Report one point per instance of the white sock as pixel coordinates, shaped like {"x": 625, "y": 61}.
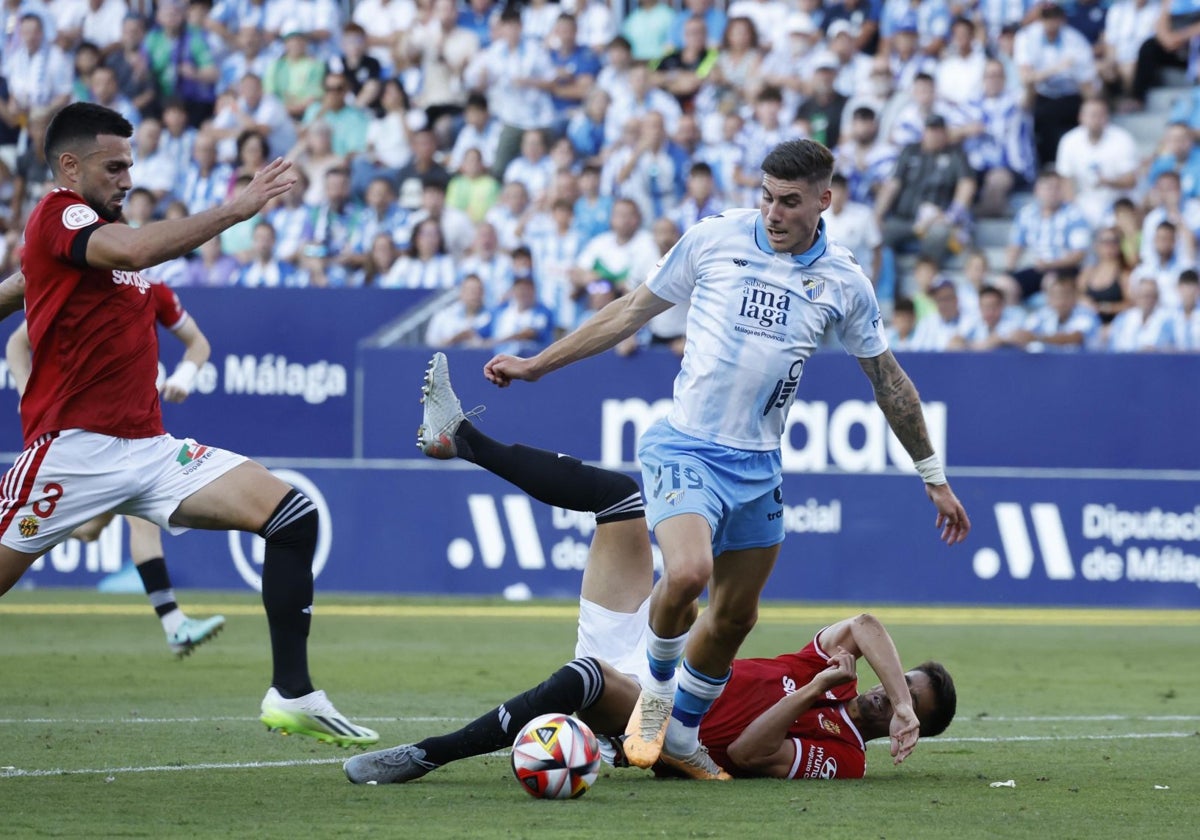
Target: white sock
{"x": 663, "y": 655}
{"x": 173, "y": 620}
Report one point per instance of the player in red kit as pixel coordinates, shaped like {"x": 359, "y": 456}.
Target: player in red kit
{"x": 796, "y": 716}
{"x": 184, "y": 633}
{"x": 94, "y": 439}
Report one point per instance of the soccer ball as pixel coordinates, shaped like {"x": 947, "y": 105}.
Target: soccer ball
{"x": 556, "y": 757}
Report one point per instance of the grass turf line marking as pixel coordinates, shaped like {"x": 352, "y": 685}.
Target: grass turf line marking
{"x": 18, "y": 773}
{"x": 1023, "y": 616}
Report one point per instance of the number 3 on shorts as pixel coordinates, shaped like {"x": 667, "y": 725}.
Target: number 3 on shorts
{"x": 44, "y": 507}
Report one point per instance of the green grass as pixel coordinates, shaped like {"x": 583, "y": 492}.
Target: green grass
{"x": 113, "y": 699}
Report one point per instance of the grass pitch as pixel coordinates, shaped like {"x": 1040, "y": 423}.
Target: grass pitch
{"x": 1093, "y": 715}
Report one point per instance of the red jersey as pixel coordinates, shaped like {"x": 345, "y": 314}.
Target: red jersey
{"x": 95, "y": 346}
{"x": 168, "y": 308}
{"x": 828, "y": 745}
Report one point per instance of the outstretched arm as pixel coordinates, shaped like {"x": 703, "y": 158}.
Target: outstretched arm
{"x": 619, "y": 320}
{"x": 12, "y": 294}
{"x": 764, "y": 747}
{"x": 195, "y": 354}
{"x": 864, "y": 635}
{"x": 897, "y": 398}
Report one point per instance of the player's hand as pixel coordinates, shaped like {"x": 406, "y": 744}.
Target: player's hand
{"x": 904, "y": 732}
{"x": 843, "y": 667}
{"x": 173, "y": 393}
{"x": 273, "y": 180}
{"x": 502, "y": 370}
{"x": 952, "y": 518}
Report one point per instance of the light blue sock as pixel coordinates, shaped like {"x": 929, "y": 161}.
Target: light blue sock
{"x": 694, "y": 695}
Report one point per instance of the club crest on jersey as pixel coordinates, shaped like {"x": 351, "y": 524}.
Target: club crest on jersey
{"x": 78, "y": 216}
{"x": 28, "y": 526}
{"x": 812, "y": 287}
{"x": 829, "y": 726}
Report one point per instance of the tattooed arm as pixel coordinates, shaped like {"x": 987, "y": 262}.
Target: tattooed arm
{"x": 897, "y": 398}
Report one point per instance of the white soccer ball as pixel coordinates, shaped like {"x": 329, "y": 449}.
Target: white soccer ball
{"x": 556, "y": 757}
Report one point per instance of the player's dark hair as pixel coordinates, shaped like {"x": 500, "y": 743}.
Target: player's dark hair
{"x": 942, "y": 685}
{"x": 799, "y": 160}
{"x": 78, "y": 123}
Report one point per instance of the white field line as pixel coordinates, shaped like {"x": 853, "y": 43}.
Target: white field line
{"x": 18, "y": 773}
{"x": 442, "y": 719}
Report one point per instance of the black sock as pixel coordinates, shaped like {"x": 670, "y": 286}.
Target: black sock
{"x": 572, "y": 688}
{"x": 157, "y": 583}
{"x": 287, "y": 590}
{"x": 551, "y": 478}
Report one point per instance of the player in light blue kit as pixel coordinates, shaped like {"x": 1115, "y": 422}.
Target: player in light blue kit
{"x": 764, "y": 287}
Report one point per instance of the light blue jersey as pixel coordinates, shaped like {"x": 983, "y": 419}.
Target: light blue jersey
{"x": 756, "y": 317}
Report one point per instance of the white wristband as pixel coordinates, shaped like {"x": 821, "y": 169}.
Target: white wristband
{"x": 184, "y": 376}
{"x": 931, "y": 470}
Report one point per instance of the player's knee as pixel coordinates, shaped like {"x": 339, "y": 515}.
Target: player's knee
{"x": 294, "y": 522}
{"x": 618, "y": 497}
{"x": 685, "y": 581}
{"x": 734, "y": 623}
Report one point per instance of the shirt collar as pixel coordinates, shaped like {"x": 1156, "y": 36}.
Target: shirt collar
{"x": 805, "y": 259}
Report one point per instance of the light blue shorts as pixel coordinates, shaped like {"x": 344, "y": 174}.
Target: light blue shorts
{"x": 739, "y": 492}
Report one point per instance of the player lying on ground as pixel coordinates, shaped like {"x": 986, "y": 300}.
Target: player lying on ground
{"x": 184, "y": 633}
{"x": 91, "y": 418}
{"x": 797, "y": 715}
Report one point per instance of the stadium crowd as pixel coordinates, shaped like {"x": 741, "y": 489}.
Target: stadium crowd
{"x": 540, "y": 157}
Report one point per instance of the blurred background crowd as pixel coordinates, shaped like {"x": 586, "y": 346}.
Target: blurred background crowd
{"x": 1009, "y": 173}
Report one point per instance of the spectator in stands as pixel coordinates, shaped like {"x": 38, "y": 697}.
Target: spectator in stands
{"x": 700, "y": 198}
{"x": 379, "y": 215}
{"x": 489, "y": 263}
{"x": 1063, "y": 323}
{"x": 937, "y": 330}
{"x": 614, "y": 70}
{"x": 38, "y": 73}
{"x": 521, "y": 325}
{"x": 959, "y": 74}
{"x": 1175, "y": 34}
{"x": 237, "y": 241}
{"x": 685, "y": 69}
{"x": 335, "y": 108}
{"x": 905, "y": 59}
{"x": 761, "y": 133}
{"x": 644, "y": 171}
{"x": 132, "y": 64}
{"x": 265, "y": 269}
{"x": 1180, "y": 154}
{"x": 1058, "y": 69}
{"x": 537, "y": 20}
{"x": 575, "y": 69}
{"x": 295, "y": 77}
{"x": 139, "y": 208}
{"x": 1104, "y": 282}
{"x": 786, "y": 66}
{"x": 319, "y": 20}
{"x": 993, "y": 328}
{"x": 820, "y": 116}
{"x": 182, "y": 62}
{"x": 383, "y": 21}
{"x": 903, "y": 326}
{"x": 380, "y": 257}
{"x": 479, "y": 131}
{"x": 998, "y": 141}
{"x": 473, "y": 189}
{"x": 931, "y": 18}
{"x": 927, "y": 199}
{"x": 517, "y": 75}
{"x": 291, "y": 217}
{"x": 714, "y": 20}
{"x": 456, "y": 227}
{"x": 95, "y": 21}
{"x": 1185, "y": 319}
{"x": 737, "y": 72}
{"x": 554, "y": 246}
{"x": 85, "y": 59}
{"x": 229, "y": 18}
{"x": 1165, "y": 203}
{"x": 156, "y": 169}
{"x": 586, "y": 129}
{"x": 362, "y": 71}
{"x": 908, "y": 124}
{"x": 314, "y": 156}
{"x": 862, "y": 158}
{"x": 853, "y": 225}
{"x": 389, "y": 139}
{"x": 206, "y": 180}
{"x": 210, "y": 266}
{"x": 1099, "y": 159}
{"x": 510, "y": 214}
{"x": 426, "y": 265}
{"x": 641, "y": 98}
{"x": 854, "y": 68}
{"x": 876, "y": 96}
{"x": 328, "y": 255}
{"x": 443, "y": 49}
{"x": 1050, "y": 233}
{"x": 647, "y": 28}
{"x": 592, "y": 209}
{"x": 1163, "y": 263}
{"x": 459, "y": 324}
{"x": 254, "y": 110}
{"x": 612, "y": 255}
{"x": 533, "y": 167}
{"x": 104, "y": 91}
{"x": 32, "y": 175}
{"x": 478, "y": 16}
{"x": 1143, "y": 327}
{"x": 423, "y": 164}
{"x": 1127, "y": 219}
{"x": 1127, "y": 27}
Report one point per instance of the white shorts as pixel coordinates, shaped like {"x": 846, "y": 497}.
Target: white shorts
{"x": 66, "y": 478}
{"x": 614, "y": 637}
